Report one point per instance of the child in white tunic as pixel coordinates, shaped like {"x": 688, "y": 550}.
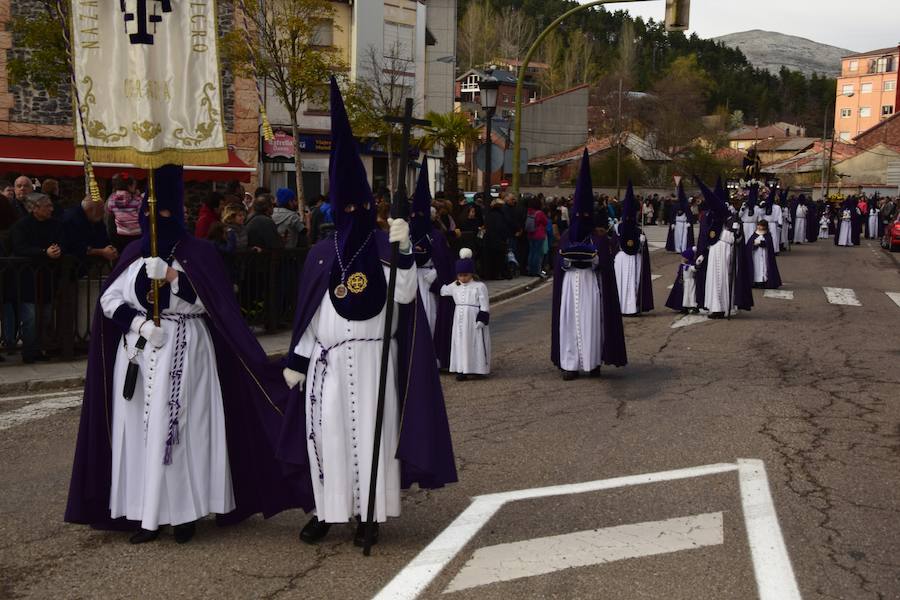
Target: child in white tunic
{"x": 823, "y": 227}
{"x": 470, "y": 350}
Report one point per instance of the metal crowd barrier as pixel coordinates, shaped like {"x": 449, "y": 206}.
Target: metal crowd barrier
{"x": 63, "y": 294}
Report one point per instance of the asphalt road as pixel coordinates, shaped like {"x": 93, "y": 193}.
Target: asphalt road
{"x": 807, "y": 387}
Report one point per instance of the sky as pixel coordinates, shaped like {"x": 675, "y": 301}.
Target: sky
{"x": 871, "y": 24}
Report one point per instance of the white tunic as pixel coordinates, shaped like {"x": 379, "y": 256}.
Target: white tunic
{"x": 760, "y": 260}
{"x": 823, "y": 227}
{"x": 470, "y": 347}
{"x": 776, "y": 221}
{"x": 681, "y": 233}
{"x": 749, "y": 221}
{"x": 800, "y": 224}
{"x": 718, "y": 274}
{"x": 580, "y": 321}
{"x": 845, "y": 230}
{"x": 426, "y": 276}
{"x": 341, "y": 400}
{"x": 198, "y": 480}
{"x": 873, "y": 224}
{"x": 689, "y": 287}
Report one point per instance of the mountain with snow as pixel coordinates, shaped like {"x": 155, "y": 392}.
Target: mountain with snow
{"x": 771, "y": 50}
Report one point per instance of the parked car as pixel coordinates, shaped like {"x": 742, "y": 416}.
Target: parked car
{"x": 891, "y": 239}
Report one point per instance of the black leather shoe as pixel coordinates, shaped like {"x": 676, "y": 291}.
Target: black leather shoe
{"x": 461, "y": 377}
{"x": 314, "y": 531}
{"x": 143, "y": 536}
{"x": 360, "y": 538}
{"x": 569, "y": 375}
{"x": 184, "y": 532}
{"x": 595, "y": 372}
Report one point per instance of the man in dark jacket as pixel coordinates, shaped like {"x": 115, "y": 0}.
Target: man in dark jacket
{"x": 496, "y": 241}
{"x": 84, "y": 232}
{"x": 261, "y": 229}
{"x": 38, "y": 236}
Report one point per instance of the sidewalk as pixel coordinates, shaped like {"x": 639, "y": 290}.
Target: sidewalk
{"x": 17, "y": 378}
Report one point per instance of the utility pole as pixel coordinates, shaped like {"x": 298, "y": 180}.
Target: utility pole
{"x": 619, "y": 144}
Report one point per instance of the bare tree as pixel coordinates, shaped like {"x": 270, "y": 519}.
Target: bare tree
{"x": 477, "y": 35}
{"x": 386, "y": 80}
{"x": 515, "y": 31}
{"x": 286, "y": 48}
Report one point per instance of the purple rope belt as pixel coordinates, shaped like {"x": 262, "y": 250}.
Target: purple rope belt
{"x": 315, "y": 399}
{"x": 174, "y": 404}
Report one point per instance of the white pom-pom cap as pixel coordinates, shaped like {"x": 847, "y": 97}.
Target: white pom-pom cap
{"x": 465, "y": 253}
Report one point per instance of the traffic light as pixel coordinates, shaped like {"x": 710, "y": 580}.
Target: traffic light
{"x": 677, "y": 14}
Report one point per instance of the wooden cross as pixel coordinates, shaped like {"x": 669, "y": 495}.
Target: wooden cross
{"x": 407, "y": 121}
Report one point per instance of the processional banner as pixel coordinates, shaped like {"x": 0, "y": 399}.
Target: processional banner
{"x": 148, "y": 85}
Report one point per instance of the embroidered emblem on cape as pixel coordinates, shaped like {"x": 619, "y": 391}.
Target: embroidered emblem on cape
{"x": 357, "y": 282}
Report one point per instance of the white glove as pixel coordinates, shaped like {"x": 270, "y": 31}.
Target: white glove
{"x": 643, "y": 239}
{"x": 430, "y": 276}
{"x": 699, "y": 260}
{"x": 293, "y": 378}
{"x": 156, "y": 267}
{"x": 479, "y": 325}
{"x": 399, "y": 232}
{"x": 757, "y": 242}
{"x": 153, "y": 334}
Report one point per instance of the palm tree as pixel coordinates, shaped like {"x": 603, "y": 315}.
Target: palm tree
{"x": 450, "y": 131}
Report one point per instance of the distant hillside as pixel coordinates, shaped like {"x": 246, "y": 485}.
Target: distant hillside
{"x": 770, "y": 50}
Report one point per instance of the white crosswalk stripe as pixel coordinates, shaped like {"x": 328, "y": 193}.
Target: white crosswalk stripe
{"x": 654, "y": 277}
{"x": 895, "y": 296}
{"x": 841, "y": 296}
{"x": 38, "y": 410}
{"x": 780, "y": 294}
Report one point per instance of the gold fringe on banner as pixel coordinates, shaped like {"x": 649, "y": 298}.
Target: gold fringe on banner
{"x": 154, "y": 160}
{"x": 268, "y": 134}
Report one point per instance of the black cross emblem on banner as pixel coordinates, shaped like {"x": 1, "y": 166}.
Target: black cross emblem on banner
{"x": 143, "y": 20}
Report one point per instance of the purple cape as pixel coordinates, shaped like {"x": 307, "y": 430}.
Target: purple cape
{"x": 670, "y": 237}
{"x": 443, "y": 322}
{"x": 425, "y": 450}
{"x": 646, "y": 291}
{"x": 675, "y": 301}
{"x": 812, "y": 222}
{"x": 254, "y": 397}
{"x": 613, "y": 352}
{"x": 773, "y": 277}
{"x": 879, "y": 227}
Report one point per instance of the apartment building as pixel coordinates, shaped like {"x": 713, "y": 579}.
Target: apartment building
{"x": 412, "y": 43}
{"x": 867, "y": 91}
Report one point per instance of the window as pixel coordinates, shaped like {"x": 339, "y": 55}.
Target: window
{"x": 847, "y": 89}
{"x": 399, "y": 41}
{"x": 887, "y": 110}
{"x": 865, "y": 88}
{"x": 865, "y": 111}
{"x": 324, "y": 33}
{"x": 890, "y": 86}
{"x": 853, "y": 65}
{"x": 845, "y": 136}
{"x": 846, "y": 113}
{"x": 885, "y": 64}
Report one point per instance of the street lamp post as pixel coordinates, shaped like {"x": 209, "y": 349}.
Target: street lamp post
{"x": 677, "y": 12}
{"x": 488, "y": 91}
{"x": 826, "y": 170}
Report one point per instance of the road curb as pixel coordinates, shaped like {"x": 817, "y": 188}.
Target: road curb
{"x": 77, "y": 382}
{"x": 519, "y": 289}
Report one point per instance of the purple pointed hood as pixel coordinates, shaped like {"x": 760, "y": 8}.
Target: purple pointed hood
{"x": 582, "y": 217}
{"x": 420, "y": 219}
{"x": 629, "y": 208}
{"x": 683, "y": 203}
{"x": 168, "y": 183}
{"x": 349, "y": 183}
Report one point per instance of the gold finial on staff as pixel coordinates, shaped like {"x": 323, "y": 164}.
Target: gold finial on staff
{"x": 268, "y": 134}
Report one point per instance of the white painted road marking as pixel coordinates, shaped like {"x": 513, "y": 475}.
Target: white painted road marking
{"x": 654, "y": 276}
{"x": 669, "y": 287}
{"x": 771, "y": 563}
{"x": 689, "y": 320}
{"x": 895, "y": 296}
{"x": 759, "y": 515}
{"x": 844, "y": 296}
{"x": 505, "y": 562}
{"x": 38, "y": 410}
{"x": 781, "y": 294}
